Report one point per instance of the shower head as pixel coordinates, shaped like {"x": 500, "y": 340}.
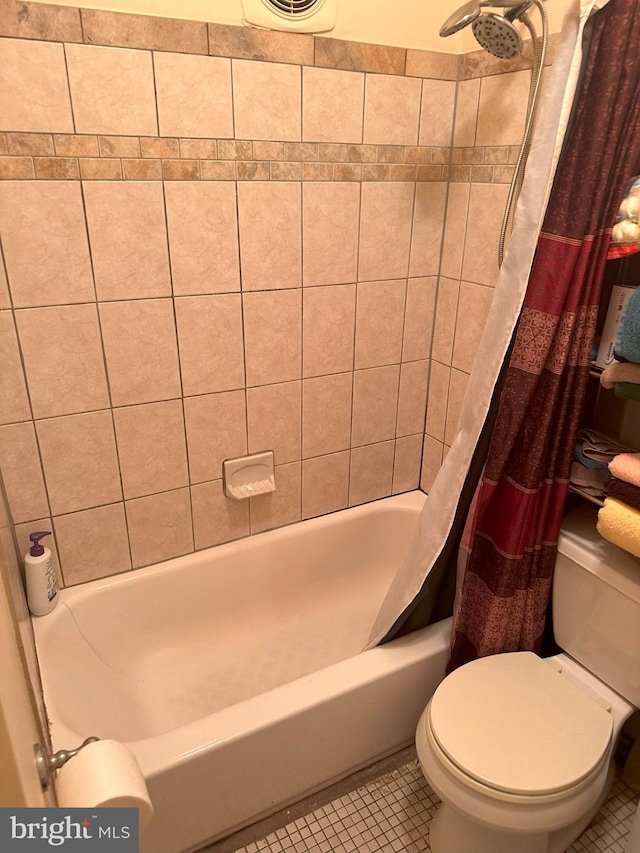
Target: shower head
{"x": 496, "y": 33}
{"x": 460, "y": 19}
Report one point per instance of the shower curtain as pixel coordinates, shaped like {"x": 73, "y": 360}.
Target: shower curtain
{"x": 416, "y": 580}
{"x": 509, "y": 544}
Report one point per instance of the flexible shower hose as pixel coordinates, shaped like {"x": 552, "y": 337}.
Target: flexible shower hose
{"x": 539, "y": 55}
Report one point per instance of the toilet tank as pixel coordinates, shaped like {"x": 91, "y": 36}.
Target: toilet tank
{"x": 596, "y": 604}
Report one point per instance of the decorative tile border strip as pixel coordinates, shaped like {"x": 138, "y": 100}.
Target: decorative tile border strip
{"x": 47, "y": 22}
{"x": 492, "y": 164}
{"x": 46, "y": 156}
{"x": 479, "y": 63}
{"x": 119, "y": 29}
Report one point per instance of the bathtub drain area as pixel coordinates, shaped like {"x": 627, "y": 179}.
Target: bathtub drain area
{"x": 391, "y": 814}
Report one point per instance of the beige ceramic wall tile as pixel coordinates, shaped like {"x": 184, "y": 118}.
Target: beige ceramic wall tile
{"x": 160, "y": 527}
{"x": 210, "y": 342}
{"x": 431, "y": 462}
{"x": 141, "y": 350}
{"x": 457, "y": 388}
{"x": 80, "y": 461}
{"x": 112, "y": 90}
{"x": 332, "y": 105}
{"x": 391, "y": 110}
{"x": 385, "y": 230}
{"x": 274, "y": 420}
{"x": 151, "y": 447}
{"x": 418, "y": 321}
{"x": 445, "y": 323}
{"x": 428, "y": 223}
{"x": 270, "y": 243}
{"x": 486, "y": 209}
{"x": 63, "y": 359}
{"x": 328, "y": 319}
{"x": 455, "y": 230}
{"x": 325, "y": 484}
{"x": 217, "y": 519}
{"x": 412, "y": 401}
{"x": 44, "y": 238}
{"x": 503, "y": 108}
{"x": 22, "y": 472}
{"x": 436, "y": 113}
{"x": 216, "y": 427}
{"x": 375, "y": 404}
{"x": 428, "y": 63}
{"x": 406, "y": 466}
{"x": 464, "y": 133}
{"x": 256, "y": 43}
{"x": 194, "y": 95}
{"x": 331, "y": 212}
{"x": 34, "y": 96}
{"x": 128, "y": 239}
{"x": 267, "y": 100}
{"x": 371, "y": 473}
{"x": 379, "y": 322}
{"x": 145, "y": 30}
{"x": 273, "y": 336}
{"x": 326, "y": 421}
{"x": 14, "y": 402}
{"x": 203, "y": 236}
{"x": 473, "y": 309}
{"x": 437, "y": 400}
{"x": 279, "y": 507}
{"x": 93, "y": 544}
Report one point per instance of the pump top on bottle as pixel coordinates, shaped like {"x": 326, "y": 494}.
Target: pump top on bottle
{"x": 40, "y": 576}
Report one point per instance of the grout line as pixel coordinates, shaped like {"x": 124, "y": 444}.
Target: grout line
{"x": 302, "y": 345}
{"x": 82, "y": 35}
{"x": 242, "y": 293}
{"x": 353, "y": 352}
{"x": 66, "y": 69}
{"x": 165, "y": 209}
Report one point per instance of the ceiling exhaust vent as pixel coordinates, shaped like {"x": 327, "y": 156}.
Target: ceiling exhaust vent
{"x": 297, "y": 16}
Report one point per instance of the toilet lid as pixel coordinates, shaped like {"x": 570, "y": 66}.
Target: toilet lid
{"x": 515, "y": 724}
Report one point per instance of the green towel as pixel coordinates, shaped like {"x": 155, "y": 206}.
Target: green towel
{"x": 628, "y": 390}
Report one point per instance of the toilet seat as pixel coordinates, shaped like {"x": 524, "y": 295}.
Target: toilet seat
{"x": 551, "y": 736}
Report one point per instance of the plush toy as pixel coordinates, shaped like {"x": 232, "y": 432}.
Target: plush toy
{"x": 625, "y": 234}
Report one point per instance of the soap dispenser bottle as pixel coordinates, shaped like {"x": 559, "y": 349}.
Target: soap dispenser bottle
{"x": 42, "y": 584}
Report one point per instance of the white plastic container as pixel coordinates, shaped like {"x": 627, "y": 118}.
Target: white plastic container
{"x": 40, "y": 574}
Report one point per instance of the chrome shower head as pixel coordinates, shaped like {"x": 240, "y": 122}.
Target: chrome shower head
{"x": 497, "y": 35}
{"x": 460, "y": 19}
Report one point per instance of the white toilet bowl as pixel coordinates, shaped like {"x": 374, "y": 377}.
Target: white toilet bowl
{"x": 519, "y": 751}
{"x": 518, "y": 748}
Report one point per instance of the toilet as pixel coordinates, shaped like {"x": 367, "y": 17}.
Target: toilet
{"x": 520, "y": 748}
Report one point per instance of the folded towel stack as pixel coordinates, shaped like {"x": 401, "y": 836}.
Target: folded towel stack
{"x": 591, "y": 457}
{"x": 619, "y": 518}
{"x": 624, "y": 374}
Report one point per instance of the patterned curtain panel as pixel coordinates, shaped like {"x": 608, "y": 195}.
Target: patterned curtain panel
{"x": 508, "y": 550}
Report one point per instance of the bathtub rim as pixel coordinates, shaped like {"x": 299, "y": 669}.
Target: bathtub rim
{"x": 172, "y": 748}
{"x": 413, "y": 500}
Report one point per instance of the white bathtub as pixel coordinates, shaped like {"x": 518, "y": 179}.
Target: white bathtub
{"x": 236, "y": 674}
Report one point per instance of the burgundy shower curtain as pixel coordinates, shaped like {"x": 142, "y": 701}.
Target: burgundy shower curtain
{"x": 509, "y": 544}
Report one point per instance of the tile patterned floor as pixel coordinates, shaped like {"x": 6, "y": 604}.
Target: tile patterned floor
{"x": 611, "y": 825}
{"x": 391, "y": 815}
